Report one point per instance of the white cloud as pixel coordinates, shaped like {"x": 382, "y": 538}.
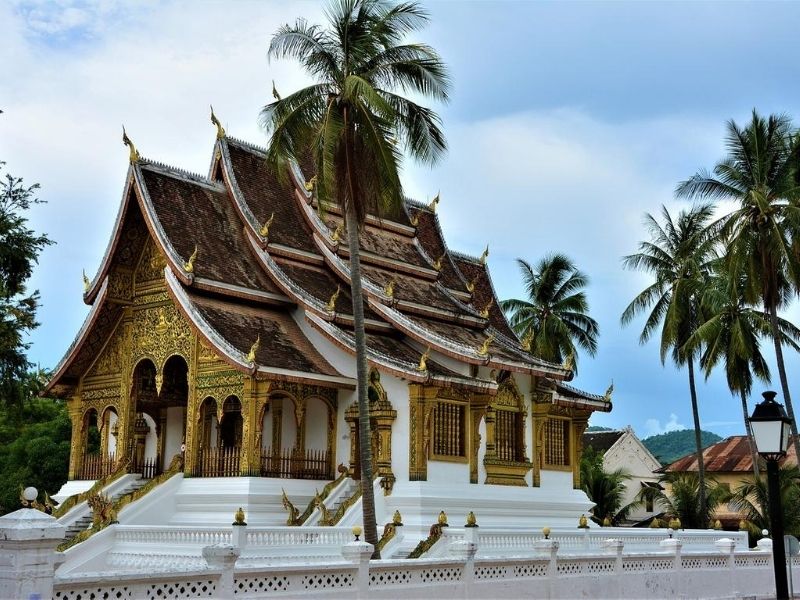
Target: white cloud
{"x": 654, "y": 427}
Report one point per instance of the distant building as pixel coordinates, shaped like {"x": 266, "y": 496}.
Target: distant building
{"x": 730, "y": 463}
{"x": 621, "y": 449}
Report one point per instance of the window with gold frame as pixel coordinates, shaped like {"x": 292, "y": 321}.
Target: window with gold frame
{"x": 510, "y": 434}
{"x": 556, "y": 442}
{"x": 449, "y": 431}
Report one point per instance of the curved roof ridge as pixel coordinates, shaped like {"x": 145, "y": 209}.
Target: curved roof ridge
{"x": 250, "y": 145}
{"x": 171, "y": 170}
{"x": 467, "y": 257}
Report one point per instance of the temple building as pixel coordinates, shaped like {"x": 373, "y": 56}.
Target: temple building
{"x": 220, "y": 336}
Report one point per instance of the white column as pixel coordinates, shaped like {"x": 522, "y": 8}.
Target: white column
{"x": 465, "y": 550}
{"x": 727, "y": 546}
{"x": 673, "y": 546}
{"x": 359, "y": 553}
{"x": 222, "y": 557}
{"x": 28, "y": 539}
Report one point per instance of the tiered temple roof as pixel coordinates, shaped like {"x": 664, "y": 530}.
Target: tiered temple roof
{"x": 243, "y": 247}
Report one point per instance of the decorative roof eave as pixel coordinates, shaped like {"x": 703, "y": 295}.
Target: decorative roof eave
{"x": 377, "y": 260}
{"x": 80, "y": 338}
{"x": 174, "y": 260}
{"x": 374, "y": 221}
{"x": 239, "y": 204}
{"x": 237, "y": 291}
{"x": 593, "y": 405}
{"x": 447, "y": 253}
{"x": 232, "y": 355}
{"x": 92, "y": 291}
{"x": 396, "y": 367}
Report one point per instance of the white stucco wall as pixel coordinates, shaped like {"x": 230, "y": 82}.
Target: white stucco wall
{"x": 629, "y": 453}
{"x": 316, "y": 424}
{"x": 288, "y": 425}
{"x": 112, "y": 439}
{"x": 151, "y": 441}
{"x": 176, "y": 416}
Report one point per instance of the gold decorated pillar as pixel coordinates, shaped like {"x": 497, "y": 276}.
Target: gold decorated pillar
{"x": 491, "y": 433}
{"x": 351, "y": 418}
{"x": 421, "y": 402}
{"x": 126, "y": 415}
{"x": 250, "y": 462}
{"x": 191, "y": 442}
{"x": 383, "y": 415}
{"x": 579, "y": 424}
{"x": 77, "y": 440}
{"x": 539, "y": 412}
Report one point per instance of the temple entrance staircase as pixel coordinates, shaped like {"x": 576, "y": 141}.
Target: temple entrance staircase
{"x": 80, "y": 518}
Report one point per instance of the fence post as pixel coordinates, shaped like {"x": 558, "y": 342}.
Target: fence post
{"x": 28, "y": 539}
{"x": 728, "y": 546}
{"x": 222, "y": 557}
{"x": 549, "y": 548}
{"x": 673, "y": 546}
{"x": 615, "y": 547}
{"x": 465, "y": 550}
{"x": 359, "y": 554}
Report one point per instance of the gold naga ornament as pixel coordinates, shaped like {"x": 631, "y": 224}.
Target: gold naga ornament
{"x": 437, "y": 264}
{"x": 134, "y": 153}
{"x": 188, "y": 266}
{"x": 434, "y": 203}
{"x": 484, "y": 313}
{"x": 471, "y": 285}
{"x": 336, "y": 236}
{"x": 86, "y": 283}
{"x": 609, "y": 392}
{"x": 485, "y": 255}
{"x": 264, "y": 231}
{"x": 217, "y": 124}
{"x": 334, "y": 297}
{"x": 309, "y": 185}
{"x": 484, "y": 349}
{"x": 251, "y": 356}
{"x": 569, "y": 362}
{"x": 527, "y": 341}
{"x": 423, "y": 360}
{"x": 389, "y": 289}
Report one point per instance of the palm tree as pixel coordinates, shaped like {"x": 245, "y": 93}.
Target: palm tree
{"x": 686, "y": 498}
{"x": 554, "y": 318}
{"x": 605, "y": 489}
{"x": 731, "y": 335}
{"x": 678, "y": 256}
{"x": 356, "y": 125}
{"x": 751, "y": 498}
{"x": 760, "y": 174}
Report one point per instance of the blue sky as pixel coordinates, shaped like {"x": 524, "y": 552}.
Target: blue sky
{"x": 568, "y": 121}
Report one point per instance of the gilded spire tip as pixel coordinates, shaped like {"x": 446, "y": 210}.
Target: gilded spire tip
{"x": 215, "y": 121}
{"x": 86, "y": 283}
{"x": 134, "y": 153}
{"x": 188, "y": 266}
{"x": 434, "y": 203}
{"x": 264, "y": 231}
{"x": 485, "y": 255}
{"x": 484, "y": 349}
{"x": 251, "y": 356}
{"x": 423, "y": 360}
{"x": 334, "y": 297}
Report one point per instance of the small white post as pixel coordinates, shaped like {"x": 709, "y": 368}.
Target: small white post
{"x": 239, "y": 536}
{"x": 727, "y": 546}
{"x": 549, "y": 548}
{"x": 615, "y": 547}
{"x": 222, "y": 557}
{"x": 359, "y": 553}
{"x": 673, "y": 546}
{"x": 465, "y": 550}
{"x": 28, "y": 539}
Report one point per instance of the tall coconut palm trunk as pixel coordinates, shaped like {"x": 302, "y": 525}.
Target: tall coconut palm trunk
{"x": 701, "y": 467}
{"x": 364, "y": 429}
{"x": 776, "y": 338}
{"x": 750, "y": 440}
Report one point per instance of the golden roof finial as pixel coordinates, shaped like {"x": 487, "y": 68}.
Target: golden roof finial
{"x": 264, "y": 231}
{"x": 485, "y": 312}
{"x": 471, "y": 285}
{"x": 415, "y": 219}
{"x": 188, "y": 266}
{"x": 275, "y": 93}
{"x": 134, "y": 155}
{"x": 484, "y": 349}
{"x": 251, "y": 356}
{"x": 337, "y": 233}
{"x": 569, "y": 362}
{"x": 527, "y": 341}
{"x": 86, "y": 283}
{"x": 309, "y": 185}
{"x": 220, "y": 128}
{"x": 423, "y": 360}
{"x": 434, "y": 203}
{"x": 389, "y": 289}
{"x": 485, "y": 255}
{"x": 609, "y": 391}
{"x": 334, "y": 297}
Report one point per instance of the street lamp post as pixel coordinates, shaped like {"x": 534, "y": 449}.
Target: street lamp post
{"x": 770, "y": 427}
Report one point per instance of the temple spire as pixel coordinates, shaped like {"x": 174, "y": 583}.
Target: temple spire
{"x": 215, "y": 121}
{"x": 134, "y": 153}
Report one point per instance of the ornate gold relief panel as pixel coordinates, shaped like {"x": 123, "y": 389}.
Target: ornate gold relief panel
{"x": 151, "y": 265}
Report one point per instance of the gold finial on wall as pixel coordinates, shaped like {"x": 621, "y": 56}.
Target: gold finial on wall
{"x": 389, "y": 289}
{"x": 334, "y": 297}
{"x": 337, "y": 233}
{"x": 309, "y": 185}
{"x": 472, "y": 521}
{"x": 569, "y": 362}
{"x": 134, "y": 153}
{"x": 484, "y": 349}
{"x": 188, "y": 266}
{"x": 485, "y": 255}
{"x": 414, "y": 220}
{"x": 397, "y": 519}
{"x": 434, "y": 203}
{"x": 440, "y": 261}
{"x": 423, "y": 360}
{"x": 275, "y": 93}
{"x": 264, "y": 231}
{"x": 442, "y": 519}
{"x": 485, "y": 312}
{"x": 238, "y": 518}
{"x": 86, "y": 283}
{"x": 471, "y": 285}
{"x": 220, "y": 128}
{"x": 251, "y": 356}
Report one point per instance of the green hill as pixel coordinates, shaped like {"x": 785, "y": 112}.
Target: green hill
{"x": 593, "y": 428}
{"x": 668, "y": 447}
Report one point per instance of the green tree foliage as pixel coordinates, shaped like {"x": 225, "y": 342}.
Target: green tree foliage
{"x": 555, "y": 315}
{"x": 34, "y": 449}
{"x": 678, "y": 255}
{"x": 356, "y": 124}
{"x": 605, "y": 489}
{"x": 682, "y": 498}
{"x": 669, "y": 447}
{"x": 761, "y": 175}
{"x": 19, "y": 251}
{"x": 751, "y": 499}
